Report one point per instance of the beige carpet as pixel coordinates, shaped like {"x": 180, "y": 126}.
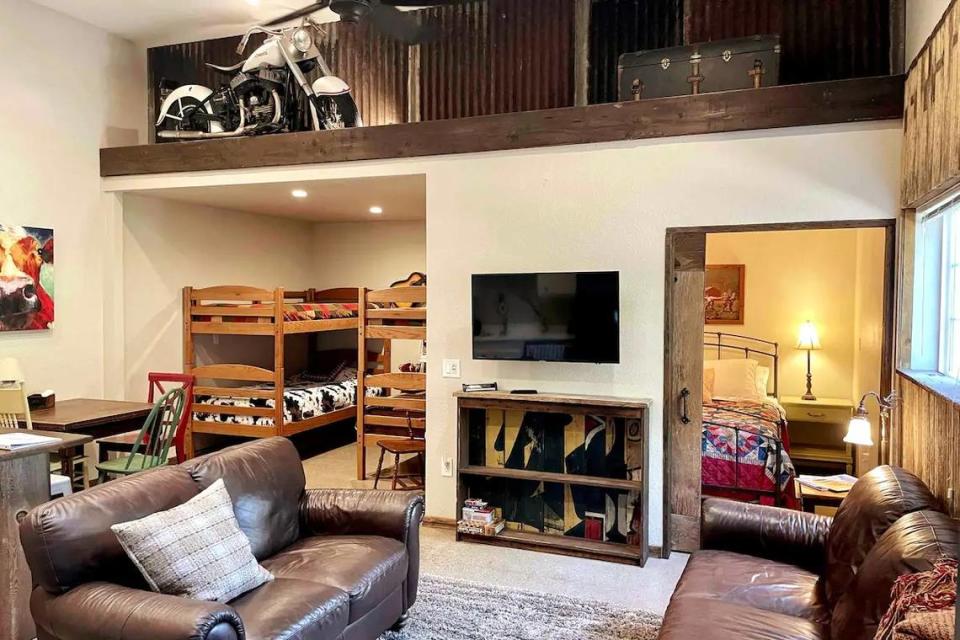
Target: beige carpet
{"x": 448, "y": 609}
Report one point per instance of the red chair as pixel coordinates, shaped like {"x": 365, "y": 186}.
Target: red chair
{"x": 159, "y": 383}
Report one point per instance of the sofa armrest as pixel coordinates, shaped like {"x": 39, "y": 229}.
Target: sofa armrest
{"x": 105, "y": 610}
{"x": 783, "y": 535}
{"x": 391, "y": 514}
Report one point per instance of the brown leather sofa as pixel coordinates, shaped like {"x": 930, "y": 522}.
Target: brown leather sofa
{"x": 770, "y": 573}
{"x": 345, "y": 562}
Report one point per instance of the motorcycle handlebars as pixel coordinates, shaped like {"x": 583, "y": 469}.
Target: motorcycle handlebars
{"x": 252, "y": 30}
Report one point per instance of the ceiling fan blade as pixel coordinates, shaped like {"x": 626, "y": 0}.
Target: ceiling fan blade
{"x": 403, "y": 25}
{"x": 299, "y": 13}
{"x": 418, "y": 3}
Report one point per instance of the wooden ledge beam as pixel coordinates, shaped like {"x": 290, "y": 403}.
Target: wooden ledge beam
{"x": 878, "y": 98}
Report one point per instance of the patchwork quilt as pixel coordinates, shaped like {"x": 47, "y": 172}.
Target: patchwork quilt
{"x": 741, "y": 443}
{"x": 303, "y": 398}
{"x": 291, "y": 312}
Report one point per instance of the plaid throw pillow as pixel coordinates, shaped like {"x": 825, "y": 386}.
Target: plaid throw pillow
{"x": 195, "y": 550}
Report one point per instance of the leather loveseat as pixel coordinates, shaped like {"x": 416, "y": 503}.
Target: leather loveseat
{"x": 345, "y": 562}
{"x": 768, "y": 573}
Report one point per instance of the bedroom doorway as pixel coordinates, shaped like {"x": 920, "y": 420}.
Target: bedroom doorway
{"x": 745, "y": 299}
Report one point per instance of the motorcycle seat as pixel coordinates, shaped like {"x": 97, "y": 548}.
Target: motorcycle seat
{"x": 221, "y": 69}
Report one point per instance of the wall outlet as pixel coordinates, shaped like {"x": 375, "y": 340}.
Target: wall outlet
{"x": 451, "y": 368}
{"x": 446, "y": 467}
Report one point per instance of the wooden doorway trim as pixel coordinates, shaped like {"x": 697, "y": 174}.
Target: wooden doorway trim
{"x": 685, "y": 258}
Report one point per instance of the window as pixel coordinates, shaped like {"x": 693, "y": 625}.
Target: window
{"x": 936, "y": 306}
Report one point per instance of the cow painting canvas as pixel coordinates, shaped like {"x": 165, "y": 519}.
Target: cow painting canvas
{"x": 26, "y": 278}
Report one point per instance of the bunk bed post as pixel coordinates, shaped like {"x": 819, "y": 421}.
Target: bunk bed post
{"x": 188, "y": 363}
{"x": 278, "y": 368}
{"x": 361, "y": 386}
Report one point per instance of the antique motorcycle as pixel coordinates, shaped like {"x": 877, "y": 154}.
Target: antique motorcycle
{"x": 267, "y": 92}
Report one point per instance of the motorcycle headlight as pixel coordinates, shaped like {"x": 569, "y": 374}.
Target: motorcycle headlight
{"x": 302, "y": 40}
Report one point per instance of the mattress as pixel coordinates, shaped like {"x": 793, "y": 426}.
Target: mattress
{"x": 745, "y": 450}
{"x": 291, "y": 312}
{"x": 302, "y": 399}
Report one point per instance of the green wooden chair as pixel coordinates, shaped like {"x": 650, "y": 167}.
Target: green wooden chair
{"x": 152, "y": 445}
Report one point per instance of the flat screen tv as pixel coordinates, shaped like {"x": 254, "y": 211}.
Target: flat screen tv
{"x": 556, "y": 317}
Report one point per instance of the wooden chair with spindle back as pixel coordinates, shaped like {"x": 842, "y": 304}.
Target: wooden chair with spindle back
{"x": 159, "y": 384}
{"x": 152, "y": 444}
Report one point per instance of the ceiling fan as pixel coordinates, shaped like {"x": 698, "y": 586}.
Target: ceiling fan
{"x": 384, "y": 14}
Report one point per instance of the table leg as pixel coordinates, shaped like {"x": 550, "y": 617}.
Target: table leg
{"x": 66, "y": 463}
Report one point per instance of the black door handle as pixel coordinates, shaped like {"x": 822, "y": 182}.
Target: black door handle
{"x": 684, "y": 418}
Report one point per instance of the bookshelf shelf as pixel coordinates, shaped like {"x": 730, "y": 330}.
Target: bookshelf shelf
{"x": 542, "y": 413}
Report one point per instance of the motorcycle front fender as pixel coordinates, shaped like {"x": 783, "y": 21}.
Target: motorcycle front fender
{"x": 195, "y": 91}
{"x": 330, "y": 86}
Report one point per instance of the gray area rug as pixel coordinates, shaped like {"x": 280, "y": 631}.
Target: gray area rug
{"x": 449, "y": 609}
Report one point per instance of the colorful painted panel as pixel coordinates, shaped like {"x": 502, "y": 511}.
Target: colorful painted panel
{"x": 559, "y": 443}
{"x": 26, "y": 278}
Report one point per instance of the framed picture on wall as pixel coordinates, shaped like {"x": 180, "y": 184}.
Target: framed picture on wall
{"x": 723, "y": 293}
{"x": 26, "y": 278}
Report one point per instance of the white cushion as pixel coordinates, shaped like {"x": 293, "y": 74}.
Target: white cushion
{"x": 763, "y": 378}
{"x": 735, "y": 378}
{"x": 195, "y": 550}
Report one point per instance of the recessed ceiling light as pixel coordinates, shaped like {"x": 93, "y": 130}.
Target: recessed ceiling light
{"x": 376, "y": 210}
{"x": 253, "y": 3}
{"x": 298, "y": 193}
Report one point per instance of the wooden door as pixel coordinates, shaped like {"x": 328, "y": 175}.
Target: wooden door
{"x": 683, "y": 389}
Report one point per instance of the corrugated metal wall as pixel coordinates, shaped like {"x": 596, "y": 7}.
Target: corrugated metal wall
{"x": 374, "y": 65}
{"x": 496, "y": 56}
{"x": 821, "y": 39}
{"x": 622, "y": 26}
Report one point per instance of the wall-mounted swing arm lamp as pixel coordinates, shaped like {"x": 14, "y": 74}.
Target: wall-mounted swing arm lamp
{"x": 858, "y": 430}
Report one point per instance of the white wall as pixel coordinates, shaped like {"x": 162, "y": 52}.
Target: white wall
{"x": 64, "y": 99}
{"x": 367, "y": 254}
{"x": 603, "y": 206}
{"x": 169, "y": 245}
{"x": 922, "y": 16}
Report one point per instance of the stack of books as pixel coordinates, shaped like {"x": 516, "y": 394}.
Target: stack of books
{"x": 480, "y": 519}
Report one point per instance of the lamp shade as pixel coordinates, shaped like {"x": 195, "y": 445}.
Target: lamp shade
{"x": 858, "y": 431}
{"x": 808, "y": 339}
{"x": 10, "y": 370}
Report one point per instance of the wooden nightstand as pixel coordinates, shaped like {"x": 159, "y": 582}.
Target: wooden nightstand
{"x": 816, "y": 431}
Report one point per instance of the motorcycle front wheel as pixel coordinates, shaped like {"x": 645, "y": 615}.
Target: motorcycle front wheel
{"x": 337, "y": 112}
{"x": 180, "y": 116}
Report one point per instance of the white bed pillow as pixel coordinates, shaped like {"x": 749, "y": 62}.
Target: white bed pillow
{"x": 734, "y": 378}
{"x": 763, "y": 378}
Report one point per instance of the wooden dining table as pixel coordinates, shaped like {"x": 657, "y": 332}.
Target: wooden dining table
{"x": 24, "y": 484}
{"x": 90, "y": 417}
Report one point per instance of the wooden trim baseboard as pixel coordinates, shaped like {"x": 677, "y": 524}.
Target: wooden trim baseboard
{"x": 439, "y": 522}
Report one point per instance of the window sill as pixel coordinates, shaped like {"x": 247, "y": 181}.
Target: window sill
{"x": 936, "y": 383}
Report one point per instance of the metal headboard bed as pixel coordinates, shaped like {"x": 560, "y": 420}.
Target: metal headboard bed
{"x": 730, "y": 344}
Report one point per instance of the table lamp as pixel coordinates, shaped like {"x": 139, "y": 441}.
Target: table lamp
{"x": 808, "y": 341}
{"x": 858, "y": 430}
{"x": 10, "y": 372}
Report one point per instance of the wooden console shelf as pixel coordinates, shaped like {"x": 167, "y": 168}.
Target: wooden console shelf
{"x": 548, "y": 476}
{"x": 566, "y": 426}
{"x": 836, "y": 101}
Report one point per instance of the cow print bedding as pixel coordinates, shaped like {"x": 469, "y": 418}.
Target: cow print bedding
{"x": 303, "y": 399}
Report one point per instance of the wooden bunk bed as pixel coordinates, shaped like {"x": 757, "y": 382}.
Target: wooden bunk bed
{"x": 243, "y": 392}
{"x": 400, "y": 409}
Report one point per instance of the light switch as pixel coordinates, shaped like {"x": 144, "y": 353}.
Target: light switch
{"x": 451, "y": 368}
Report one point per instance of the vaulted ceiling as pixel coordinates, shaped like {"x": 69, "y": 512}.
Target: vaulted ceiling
{"x": 150, "y": 22}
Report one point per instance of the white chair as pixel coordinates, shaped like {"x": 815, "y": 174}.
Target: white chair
{"x": 13, "y": 406}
